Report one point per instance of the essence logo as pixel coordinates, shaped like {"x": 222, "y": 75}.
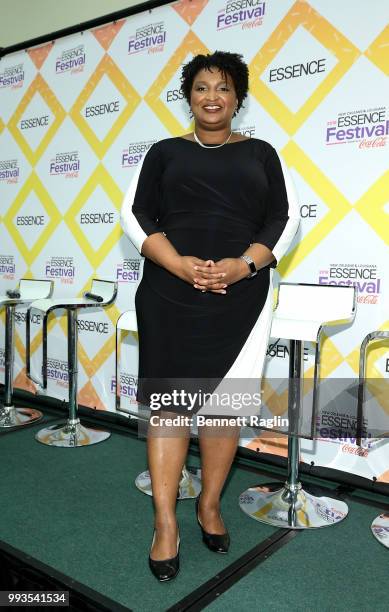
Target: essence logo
{"x": 297, "y": 70}
{"x": 20, "y": 318}
{"x": 92, "y": 326}
{"x": 105, "y": 218}
{"x": 2, "y": 359}
{"x": 7, "y": 267}
{"x": 60, "y": 267}
{"x": 132, "y": 156}
{"x": 362, "y": 276}
{"x": 65, "y": 164}
{"x": 33, "y": 122}
{"x": 246, "y": 13}
{"x": 102, "y": 109}
{"x": 128, "y": 271}
{"x": 12, "y": 77}
{"x": 9, "y": 171}
{"x": 72, "y": 60}
{"x": 31, "y": 220}
{"x": 151, "y": 37}
{"x": 281, "y": 351}
{"x": 368, "y": 128}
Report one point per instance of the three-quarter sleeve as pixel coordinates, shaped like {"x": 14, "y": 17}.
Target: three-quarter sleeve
{"x": 282, "y": 216}
{"x": 141, "y": 204}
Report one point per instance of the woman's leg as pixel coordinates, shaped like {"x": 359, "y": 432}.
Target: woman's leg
{"x": 167, "y": 447}
{"x": 218, "y": 446}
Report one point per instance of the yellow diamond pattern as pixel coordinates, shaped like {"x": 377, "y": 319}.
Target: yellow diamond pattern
{"x": 38, "y": 85}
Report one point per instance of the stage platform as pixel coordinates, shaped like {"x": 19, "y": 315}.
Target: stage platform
{"x": 72, "y": 519}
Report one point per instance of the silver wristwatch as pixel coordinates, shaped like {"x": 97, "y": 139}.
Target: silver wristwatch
{"x": 251, "y": 265}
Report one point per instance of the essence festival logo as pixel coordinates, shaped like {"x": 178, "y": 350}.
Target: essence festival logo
{"x": 366, "y": 128}
{"x": 297, "y": 70}
{"x": 7, "y": 267}
{"x": 2, "y": 360}
{"x": 65, "y": 164}
{"x": 132, "y": 155}
{"x": 96, "y": 327}
{"x": 128, "y": 386}
{"x": 151, "y": 37}
{"x": 244, "y": 13}
{"x": 71, "y": 60}
{"x": 60, "y": 268}
{"x": 128, "y": 271}
{"x": 9, "y": 170}
{"x": 362, "y": 276}
{"x": 57, "y": 371}
{"x": 12, "y": 77}
{"x": 342, "y": 429}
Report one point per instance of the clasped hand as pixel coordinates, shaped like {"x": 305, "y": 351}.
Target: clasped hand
{"x": 213, "y": 276}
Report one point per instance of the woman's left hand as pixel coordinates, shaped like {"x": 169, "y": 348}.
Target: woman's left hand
{"x": 234, "y": 269}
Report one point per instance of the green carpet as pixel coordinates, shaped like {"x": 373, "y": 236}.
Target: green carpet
{"x": 333, "y": 569}
{"x": 78, "y": 510}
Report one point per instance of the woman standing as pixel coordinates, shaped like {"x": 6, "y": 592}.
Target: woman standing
{"x": 212, "y": 213}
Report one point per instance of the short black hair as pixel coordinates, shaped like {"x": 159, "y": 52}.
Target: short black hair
{"x": 226, "y": 62}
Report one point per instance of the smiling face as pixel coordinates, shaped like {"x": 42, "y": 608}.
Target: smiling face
{"x": 213, "y": 99}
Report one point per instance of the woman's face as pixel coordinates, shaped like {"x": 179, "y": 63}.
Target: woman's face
{"x": 210, "y": 89}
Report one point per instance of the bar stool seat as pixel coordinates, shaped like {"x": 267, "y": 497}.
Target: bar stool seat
{"x": 380, "y": 525}
{"x": 190, "y": 481}
{"x": 301, "y": 313}
{"x": 27, "y": 291}
{"x": 71, "y": 433}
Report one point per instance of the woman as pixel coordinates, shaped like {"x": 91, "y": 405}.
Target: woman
{"x": 195, "y": 206}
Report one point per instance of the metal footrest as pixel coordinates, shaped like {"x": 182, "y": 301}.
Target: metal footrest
{"x": 18, "y": 417}
{"x": 189, "y": 486}
{"x": 71, "y": 433}
{"x": 291, "y": 507}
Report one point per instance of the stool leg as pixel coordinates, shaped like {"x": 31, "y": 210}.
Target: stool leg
{"x": 292, "y": 507}
{"x": 190, "y": 482}
{"x": 72, "y": 433}
{"x": 9, "y": 415}
{"x": 380, "y": 525}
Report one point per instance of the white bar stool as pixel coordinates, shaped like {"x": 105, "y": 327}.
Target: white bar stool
{"x": 27, "y": 291}
{"x": 302, "y": 312}
{"x": 380, "y": 525}
{"x": 71, "y": 433}
{"x": 190, "y": 482}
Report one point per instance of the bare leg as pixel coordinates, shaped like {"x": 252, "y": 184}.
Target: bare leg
{"x": 217, "y": 447}
{"x": 166, "y": 457}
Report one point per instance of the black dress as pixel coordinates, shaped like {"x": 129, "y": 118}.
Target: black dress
{"x": 210, "y": 203}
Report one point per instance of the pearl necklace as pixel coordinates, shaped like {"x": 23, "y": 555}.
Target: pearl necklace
{"x": 211, "y": 146}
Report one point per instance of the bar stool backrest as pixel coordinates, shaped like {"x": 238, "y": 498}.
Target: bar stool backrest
{"x": 35, "y": 289}
{"x": 128, "y": 321}
{"x": 323, "y": 303}
{"x": 106, "y": 289}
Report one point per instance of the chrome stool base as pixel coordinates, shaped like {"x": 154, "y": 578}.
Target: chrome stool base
{"x": 380, "y": 529}
{"x": 17, "y": 417}
{"x": 71, "y": 434}
{"x": 188, "y": 488}
{"x": 291, "y": 507}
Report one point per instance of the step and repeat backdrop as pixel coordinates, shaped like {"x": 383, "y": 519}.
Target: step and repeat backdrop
{"x": 76, "y": 117}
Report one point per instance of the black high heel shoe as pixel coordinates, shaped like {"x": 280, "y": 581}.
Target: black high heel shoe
{"x": 165, "y": 569}
{"x": 217, "y": 542}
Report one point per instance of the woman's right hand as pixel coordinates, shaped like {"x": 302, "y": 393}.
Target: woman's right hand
{"x": 184, "y": 269}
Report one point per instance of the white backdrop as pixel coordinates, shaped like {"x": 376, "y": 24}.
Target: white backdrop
{"x": 77, "y": 114}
